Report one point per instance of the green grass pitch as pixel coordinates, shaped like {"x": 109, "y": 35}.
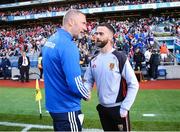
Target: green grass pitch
{"x": 18, "y": 105}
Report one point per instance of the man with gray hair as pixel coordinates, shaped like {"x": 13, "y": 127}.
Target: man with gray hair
{"x": 64, "y": 88}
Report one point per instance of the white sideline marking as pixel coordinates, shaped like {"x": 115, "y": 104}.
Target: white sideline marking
{"x": 29, "y": 126}
{"x": 26, "y": 129}
{"x": 149, "y": 115}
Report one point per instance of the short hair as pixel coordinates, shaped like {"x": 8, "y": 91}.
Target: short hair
{"x": 70, "y": 14}
{"x": 107, "y": 25}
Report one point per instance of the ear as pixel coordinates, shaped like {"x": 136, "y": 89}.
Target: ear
{"x": 110, "y": 37}
{"x": 71, "y": 21}
{"x": 111, "y": 40}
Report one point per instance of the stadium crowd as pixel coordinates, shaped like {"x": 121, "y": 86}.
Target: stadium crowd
{"x": 132, "y": 37}
{"x": 14, "y": 40}
{"x": 128, "y": 34}
{"x": 85, "y": 5}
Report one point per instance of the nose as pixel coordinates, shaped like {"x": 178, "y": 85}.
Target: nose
{"x": 85, "y": 28}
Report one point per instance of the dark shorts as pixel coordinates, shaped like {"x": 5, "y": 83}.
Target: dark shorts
{"x": 67, "y": 121}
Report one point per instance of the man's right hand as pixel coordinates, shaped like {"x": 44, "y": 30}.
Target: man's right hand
{"x": 89, "y": 97}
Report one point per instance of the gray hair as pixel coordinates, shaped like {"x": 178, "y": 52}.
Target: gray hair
{"x": 72, "y": 13}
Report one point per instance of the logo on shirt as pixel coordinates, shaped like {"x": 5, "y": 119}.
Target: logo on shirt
{"x": 94, "y": 66}
{"x": 50, "y": 44}
{"x": 111, "y": 66}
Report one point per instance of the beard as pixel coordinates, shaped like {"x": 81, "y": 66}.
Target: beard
{"x": 102, "y": 43}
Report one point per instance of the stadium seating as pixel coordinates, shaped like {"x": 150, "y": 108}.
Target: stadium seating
{"x": 178, "y": 58}
{"x": 162, "y": 73}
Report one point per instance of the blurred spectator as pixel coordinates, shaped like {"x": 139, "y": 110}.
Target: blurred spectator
{"x": 147, "y": 55}
{"x": 154, "y": 62}
{"x": 40, "y": 66}
{"x": 177, "y": 53}
{"x": 151, "y": 39}
{"x": 138, "y": 59}
{"x": 6, "y": 68}
{"x": 164, "y": 51}
{"x": 24, "y": 65}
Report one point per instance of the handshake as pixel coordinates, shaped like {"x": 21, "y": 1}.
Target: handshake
{"x": 89, "y": 97}
{"x": 89, "y": 90}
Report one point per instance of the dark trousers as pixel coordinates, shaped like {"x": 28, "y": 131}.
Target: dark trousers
{"x": 111, "y": 120}
{"x": 24, "y": 70}
{"x": 6, "y": 73}
{"x": 41, "y": 73}
{"x": 154, "y": 71}
{"x": 68, "y": 121}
